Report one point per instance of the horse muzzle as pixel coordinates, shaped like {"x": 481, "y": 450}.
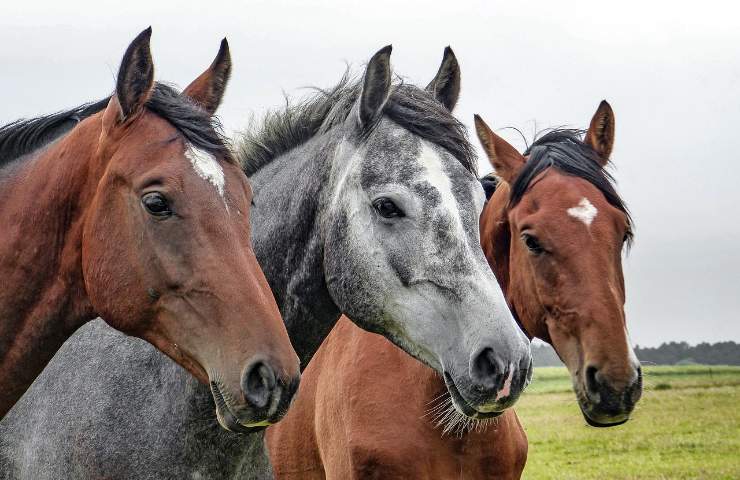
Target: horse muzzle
{"x": 604, "y": 406}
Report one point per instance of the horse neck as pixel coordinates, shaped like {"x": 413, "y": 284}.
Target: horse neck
{"x": 43, "y": 301}
{"x": 287, "y": 237}
{"x": 496, "y": 243}
{"x": 496, "y": 236}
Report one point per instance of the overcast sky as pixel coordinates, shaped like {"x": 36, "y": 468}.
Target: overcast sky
{"x": 671, "y": 71}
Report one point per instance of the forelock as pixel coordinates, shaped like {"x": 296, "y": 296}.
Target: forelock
{"x": 564, "y": 150}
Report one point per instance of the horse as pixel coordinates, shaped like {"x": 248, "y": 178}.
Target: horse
{"x": 366, "y": 202}
{"x": 140, "y": 216}
{"x": 553, "y": 231}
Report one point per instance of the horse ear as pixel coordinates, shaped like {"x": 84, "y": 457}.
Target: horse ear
{"x": 446, "y": 84}
{"x": 376, "y": 86}
{"x": 135, "y": 76}
{"x": 208, "y": 89}
{"x": 505, "y": 159}
{"x": 600, "y": 134}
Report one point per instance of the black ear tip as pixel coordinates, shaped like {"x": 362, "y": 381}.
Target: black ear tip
{"x": 223, "y": 50}
{"x": 142, "y": 38}
{"x": 477, "y": 119}
{"x": 385, "y": 50}
{"x": 449, "y": 52}
{"x": 604, "y": 109}
{"x": 139, "y": 46}
{"x": 146, "y": 34}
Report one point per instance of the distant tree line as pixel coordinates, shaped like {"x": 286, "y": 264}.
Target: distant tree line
{"x": 671, "y": 353}
{"x": 677, "y": 353}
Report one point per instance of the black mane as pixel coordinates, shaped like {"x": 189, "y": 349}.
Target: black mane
{"x": 410, "y": 107}
{"x": 25, "y": 136}
{"x": 565, "y": 150}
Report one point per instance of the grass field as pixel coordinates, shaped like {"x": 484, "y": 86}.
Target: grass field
{"x": 687, "y": 425}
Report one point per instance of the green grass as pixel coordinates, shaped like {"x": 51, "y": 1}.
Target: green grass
{"x": 686, "y": 426}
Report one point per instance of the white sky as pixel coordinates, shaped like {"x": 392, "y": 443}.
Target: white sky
{"x": 671, "y": 71}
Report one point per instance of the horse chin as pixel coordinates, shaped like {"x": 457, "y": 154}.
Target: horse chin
{"x": 228, "y": 420}
{"x": 596, "y": 424}
{"x": 462, "y": 405}
{"x": 604, "y": 421}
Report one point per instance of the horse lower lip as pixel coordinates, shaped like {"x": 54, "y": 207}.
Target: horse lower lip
{"x": 596, "y": 424}
{"x": 262, "y": 424}
{"x": 226, "y": 417}
{"x": 230, "y": 423}
{"x": 602, "y": 424}
{"x": 462, "y": 405}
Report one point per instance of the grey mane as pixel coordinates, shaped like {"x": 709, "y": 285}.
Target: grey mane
{"x": 410, "y": 107}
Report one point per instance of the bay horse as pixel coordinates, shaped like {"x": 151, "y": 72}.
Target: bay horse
{"x": 366, "y": 203}
{"x": 553, "y": 231}
{"x": 134, "y": 209}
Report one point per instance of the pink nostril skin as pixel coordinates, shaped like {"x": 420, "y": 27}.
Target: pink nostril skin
{"x": 506, "y": 389}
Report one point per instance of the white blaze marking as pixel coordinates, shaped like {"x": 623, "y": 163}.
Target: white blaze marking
{"x": 492, "y": 295}
{"x": 207, "y": 168}
{"x": 441, "y": 180}
{"x": 584, "y": 212}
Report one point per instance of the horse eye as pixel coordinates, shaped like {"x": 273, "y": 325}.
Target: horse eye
{"x": 386, "y": 208}
{"x": 532, "y": 244}
{"x": 156, "y": 204}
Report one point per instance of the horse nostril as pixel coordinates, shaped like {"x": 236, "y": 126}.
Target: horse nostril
{"x": 592, "y": 383}
{"x": 485, "y": 369}
{"x": 258, "y": 383}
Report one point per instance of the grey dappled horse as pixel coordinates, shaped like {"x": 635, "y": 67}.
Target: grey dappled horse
{"x": 365, "y": 203}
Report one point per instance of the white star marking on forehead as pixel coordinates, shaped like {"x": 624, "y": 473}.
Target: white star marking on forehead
{"x": 207, "y": 168}
{"x": 584, "y": 211}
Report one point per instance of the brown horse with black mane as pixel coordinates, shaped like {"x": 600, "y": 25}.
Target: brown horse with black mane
{"x": 553, "y": 231}
{"x": 134, "y": 210}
